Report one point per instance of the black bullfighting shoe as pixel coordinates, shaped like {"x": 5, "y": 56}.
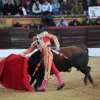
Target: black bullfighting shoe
{"x": 60, "y": 87}
{"x": 41, "y": 90}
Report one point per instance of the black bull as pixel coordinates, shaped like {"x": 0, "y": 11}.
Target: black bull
{"x": 77, "y": 57}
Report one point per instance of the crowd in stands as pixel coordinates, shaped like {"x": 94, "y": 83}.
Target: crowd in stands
{"x": 38, "y": 7}
{"x": 50, "y": 22}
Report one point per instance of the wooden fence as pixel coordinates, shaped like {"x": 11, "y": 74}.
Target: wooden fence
{"x": 79, "y": 35}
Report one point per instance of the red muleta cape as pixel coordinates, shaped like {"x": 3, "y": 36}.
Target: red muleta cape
{"x": 13, "y": 73}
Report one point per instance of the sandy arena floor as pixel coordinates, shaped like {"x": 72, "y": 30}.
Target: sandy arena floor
{"x": 74, "y": 89}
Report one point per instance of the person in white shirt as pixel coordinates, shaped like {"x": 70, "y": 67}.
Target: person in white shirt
{"x": 46, "y": 7}
{"x": 36, "y": 8}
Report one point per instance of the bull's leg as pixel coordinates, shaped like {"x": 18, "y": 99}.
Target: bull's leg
{"x": 32, "y": 80}
{"x": 38, "y": 83}
{"x": 91, "y": 80}
{"x": 86, "y": 71}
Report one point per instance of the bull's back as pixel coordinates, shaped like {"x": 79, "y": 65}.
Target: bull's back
{"x": 77, "y": 56}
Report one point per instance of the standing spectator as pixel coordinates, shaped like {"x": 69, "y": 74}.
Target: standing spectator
{"x": 37, "y": 8}
{"x": 18, "y": 8}
{"x": 62, "y": 22}
{"x": 93, "y": 1}
{"x": 55, "y": 7}
{"x": 46, "y": 7}
{"x": 66, "y": 8}
{"x": 97, "y": 21}
{"x": 74, "y": 22}
{"x": 17, "y": 24}
{"x": 28, "y": 7}
{"x": 86, "y": 4}
{"x": 9, "y": 8}
{"x": 48, "y": 18}
{"x": 87, "y": 21}
{"x": 32, "y": 25}
{"x": 77, "y": 7}
{"x": 3, "y": 23}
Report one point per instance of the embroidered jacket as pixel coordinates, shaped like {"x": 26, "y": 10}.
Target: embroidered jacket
{"x": 43, "y": 39}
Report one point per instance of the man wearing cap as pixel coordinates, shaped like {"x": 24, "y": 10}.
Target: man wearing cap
{"x": 42, "y": 42}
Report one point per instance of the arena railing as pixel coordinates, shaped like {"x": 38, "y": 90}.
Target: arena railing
{"x": 77, "y": 35}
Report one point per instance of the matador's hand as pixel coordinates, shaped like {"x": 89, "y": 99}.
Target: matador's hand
{"x": 57, "y": 48}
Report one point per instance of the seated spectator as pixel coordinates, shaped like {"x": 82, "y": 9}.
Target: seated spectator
{"x": 48, "y": 19}
{"x": 46, "y": 7}
{"x": 18, "y": 8}
{"x": 74, "y": 22}
{"x": 55, "y": 7}
{"x": 86, "y": 4}
{"x": 42, "y": 26}
{"x": 28, "y": 7}
{"x": 87, "y": 21}
{"x": 17, "y": 24}
{"x": 1, "y": 12}
{"x": 3, "y": 23}
{"x": 9, "y": 8}
{"x": 37, "y": 8}
{"x": 97, "y": 21}
{"x": 66, "y": 8}
{"x": 77, "y": 8}
{"x": 97, "y": 3}
{"x": 32, "y": 25}
{"x": 62, "y": 22}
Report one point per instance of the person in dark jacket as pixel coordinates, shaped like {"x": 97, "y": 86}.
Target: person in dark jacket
{"x": 18, "y": 8}
{"x": 48, "y": 18}
{"x": 86, "y": 4}
{"x": 97, "y": 21}
{"x": 17, "y": 24}
{"x": 28, "y": 7}
{"x": 8, "y": 8}
{"x": 74, "y": 22}
{"x": 66, "y": 8}
{"x": 32, "y": 25}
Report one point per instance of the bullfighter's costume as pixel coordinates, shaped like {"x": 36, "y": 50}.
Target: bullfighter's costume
{"x": 43, "y": 44}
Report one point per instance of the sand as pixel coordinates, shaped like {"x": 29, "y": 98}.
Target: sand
{"x": 74, "y": 89}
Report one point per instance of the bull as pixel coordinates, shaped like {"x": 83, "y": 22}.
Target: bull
{"x": 78, "y": 57}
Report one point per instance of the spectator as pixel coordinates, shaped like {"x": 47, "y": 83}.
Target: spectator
{"x": 62, "y": 22}
{"x": 97, "y": 21}
{"x": 28, "y": 7}
{"x": 86, "y": 4}
{"x": 74, "y": 22}
{"x": 32, "y": 25}
{"x": 37, "y": 8}
{"x": 93, "y": 1}
{"x": 46, "y": 7}
{"x": 77, "y": 8}
{"x": 18, "y": 8}
{"x": 87, "y": 21}
{"x": 1, "y": 12}
{"x": 48, "y": 19}
{"x": 42, "y": 26}
{"x": 24, "y": 2}
{"x": 66, "y": 8}
{"x": 3, "y": 23}
{"x": 8, "y": 8}
{"x": 98, "y": 3}
{"x": 55, "y": 7}
{"x": 17, "y": 24}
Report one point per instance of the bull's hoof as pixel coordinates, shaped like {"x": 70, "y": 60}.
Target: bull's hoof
{"x": 60, "y": 87}
{"x": 42, "y": 90}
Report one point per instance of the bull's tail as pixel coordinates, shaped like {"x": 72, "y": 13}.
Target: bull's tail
{"x": 83, "y": 47}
